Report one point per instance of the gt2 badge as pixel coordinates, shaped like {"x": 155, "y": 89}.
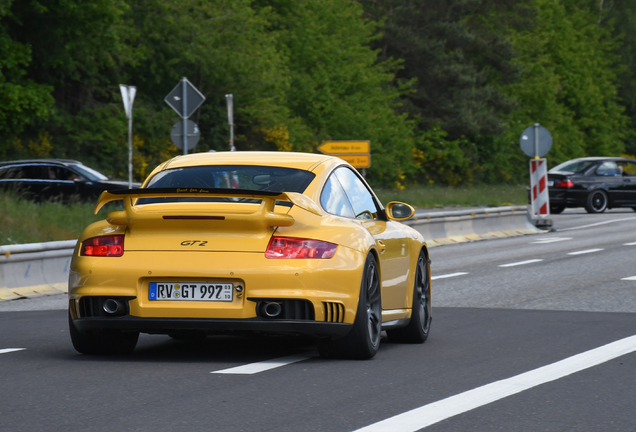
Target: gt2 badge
{"x": 194, "y": 243}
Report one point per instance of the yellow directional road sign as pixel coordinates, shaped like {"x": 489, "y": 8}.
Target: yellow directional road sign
{"x": 345, "y": 147}
{"x": 357, "y": 160}
{"x": 357, "y": 153}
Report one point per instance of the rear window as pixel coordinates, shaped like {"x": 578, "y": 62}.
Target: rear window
{"x": 576, "y": 167}
{"x": 26, "y": 172}
{"x": 246, "y": 178}
{"x": 9, "y": 173}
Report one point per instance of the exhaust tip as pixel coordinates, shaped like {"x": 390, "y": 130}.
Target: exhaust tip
{"x": 113, "y": 307}
{"x": 272, "y": 309}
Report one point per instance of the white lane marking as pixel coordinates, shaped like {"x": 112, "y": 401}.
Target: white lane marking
{"x": 629, "y": 244}
{"x": 584, "y": 251}
{"x": 435, "y": 412}
{"x": 8, "y": 350}
{"x": 550, "y": 240}
{"x": 597, "y": 224}
{"x": 448, "y": 275}
{"x": 630, "y": 278}
{"x": 262, "y": 366}
{"x": 521, "y": 263}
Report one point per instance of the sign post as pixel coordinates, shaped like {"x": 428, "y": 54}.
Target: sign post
{"x": 536, "y": 142}
{"x": 229, "y": 98}
{"x": 357, "y": 153}
{"x": 128, "y": 95}
{"x": 185, "y": 99}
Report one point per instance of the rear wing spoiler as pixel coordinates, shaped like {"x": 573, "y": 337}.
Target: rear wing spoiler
{"x": 268, "y": 200}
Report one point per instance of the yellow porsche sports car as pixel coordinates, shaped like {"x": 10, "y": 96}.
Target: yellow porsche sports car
{"x": 266, "y": 242}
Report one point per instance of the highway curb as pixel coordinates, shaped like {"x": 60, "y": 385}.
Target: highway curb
{"x": 37, "y": 269}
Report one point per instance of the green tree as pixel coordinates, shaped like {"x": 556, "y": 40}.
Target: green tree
{"x": 73, "y": 47}
{"x": 221, "y": 47}
{"x": 22, "y": 100}
{"x": 455, "y": 57}
{"x": 622, "y": 13}
{"x": 83, "y": 49}
{"x": 338, "y": 89}
{"x": 568, "y": 85}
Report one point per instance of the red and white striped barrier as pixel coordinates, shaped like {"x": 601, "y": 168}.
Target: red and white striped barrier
{"x": 539, "y": 196}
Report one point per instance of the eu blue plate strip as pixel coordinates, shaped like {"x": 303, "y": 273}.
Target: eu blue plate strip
{"x": 152, "y": 291}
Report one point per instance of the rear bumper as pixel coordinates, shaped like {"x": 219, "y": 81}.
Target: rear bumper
{"x": 210, "y": 326}
{"x": 324, "y": 283}
{"x": 567, "y": 198}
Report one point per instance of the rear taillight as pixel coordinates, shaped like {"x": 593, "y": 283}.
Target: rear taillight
{"x": 290, "y": 247}
{"x": 563, "y": 183}
{"x": 105, "y": 246}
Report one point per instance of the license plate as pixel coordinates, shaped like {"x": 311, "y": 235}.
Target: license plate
{"x": 193, "y": 291}
{"x": 550, "y": 183}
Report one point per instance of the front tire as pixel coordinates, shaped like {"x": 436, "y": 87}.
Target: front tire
{"x": 596, "y": 201}
{"x": 116, "y": 343}
{"x": 418, "y": 328}
{"x": 363, "y": 341}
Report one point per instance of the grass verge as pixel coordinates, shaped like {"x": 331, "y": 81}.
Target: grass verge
{"x": 434, "y": 196}
{"x": 23, "y": 221}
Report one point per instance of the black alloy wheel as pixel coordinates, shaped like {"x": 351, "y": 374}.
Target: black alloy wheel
{"x": 596, "y": 201}
{"x": 373, "y": 304}
{"x": 418, "y": 328}
{"x": 363, "y": 341}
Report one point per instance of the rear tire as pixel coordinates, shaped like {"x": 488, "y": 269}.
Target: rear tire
{"x": 418, "y": 328}
{"x": 116, "y": 343}
{"x": 596, "y": 201}
{"x": 363, "y": 341}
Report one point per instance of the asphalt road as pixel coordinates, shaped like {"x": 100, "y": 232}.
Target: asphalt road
{"x": 529, "y": 333}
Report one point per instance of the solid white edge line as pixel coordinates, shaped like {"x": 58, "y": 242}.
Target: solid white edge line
{"x": 550, "y": 240}
{"x": 8, "y": 350}
{"x": 630, "y": 278}
{"x": 596, "y": 224}
{"x": 584, "y": 251}
{"x": 262, "y": 366}
{"x": 521, "y": 263}
{"x": 435, "y": 412}
{"x": 448, "y": 275}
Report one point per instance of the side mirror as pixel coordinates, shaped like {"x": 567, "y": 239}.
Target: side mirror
{"x": 398, "y": 211}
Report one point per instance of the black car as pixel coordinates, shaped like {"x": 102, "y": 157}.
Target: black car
{"x": 42, "y": 179}
{"x": 596, "y": 183}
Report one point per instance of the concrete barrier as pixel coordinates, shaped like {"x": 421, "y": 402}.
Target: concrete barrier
{"x": 34, "y": 269}
{"x": 42, "y": 268}
{"x": 447, "y": 227}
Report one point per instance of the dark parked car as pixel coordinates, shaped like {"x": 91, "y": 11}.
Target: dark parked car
{"x": 42, "y": 179}
{"x": 596, "y": 183}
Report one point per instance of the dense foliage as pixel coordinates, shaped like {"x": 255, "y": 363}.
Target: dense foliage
{"x": 441, "y": 89}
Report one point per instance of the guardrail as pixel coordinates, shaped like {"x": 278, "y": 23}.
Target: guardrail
{"x": 456, "y": 226}
{"x": 42, "y": 268}
{"x": 34, "y": 269}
